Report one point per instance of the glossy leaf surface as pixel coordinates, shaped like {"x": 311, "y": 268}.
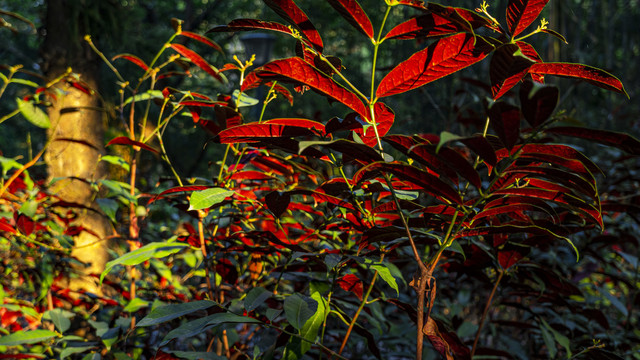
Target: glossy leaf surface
{"x": 590, "y": 74}
{"x": 521, "y": 13}
{"x": 198, "y": 60}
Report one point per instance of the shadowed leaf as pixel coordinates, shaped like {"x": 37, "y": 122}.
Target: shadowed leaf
{"x": 354, "y": 14}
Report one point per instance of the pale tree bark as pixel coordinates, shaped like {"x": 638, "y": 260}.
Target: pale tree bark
{"x": 76, "y": 135}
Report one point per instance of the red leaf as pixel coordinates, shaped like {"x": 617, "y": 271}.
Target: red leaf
{"x": 428, "y": 182}
{"x": 472, "y": 18}
{"x": 445, "y": 159}
{"x": 204, "y": 103}
{"x": 250, "y": 175}
{"x": 352, "y": 11}
{"x": 134, "y": 59}
{"x": 179, "y": 189}
{"x": 351, "y": 282}
{"x": 251, "y": 24}
{"x": 437, "y": 340}
{"x": 201, "y": 39}
{"x": 555, "y": 154}
{"x": 622, "y": 141}
{"x": 521, "y": 13}
{"x": 590, "y": 74}
{"x": 25, "y": 224}
{"x": 427, "y": 25}
{"x": 508, "y": 258}
{"x": 438, "y": 60}
{"x": 508, "y": 66}
{"x": 384, "y": 120}
{"x": 277, "y": 202}
{"x": 305, "y": 123}
{"x": 297, "y": 70}
{"x": 322, "y": 197}
{"x": 289, "y": 11}
{"x": 198, "y": 60}
{"x": 254, "y": 131}
{"x": 538, "y": 102}
{"x": 530, "y": 52}
{"x": 123, "y": 140}
{"x": 418, "y": 4}
{"x": 4, "y": 226}
{"x": 505, "y": 120}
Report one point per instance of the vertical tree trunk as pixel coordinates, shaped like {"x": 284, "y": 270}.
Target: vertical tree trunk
{"x": 76, "y": 133}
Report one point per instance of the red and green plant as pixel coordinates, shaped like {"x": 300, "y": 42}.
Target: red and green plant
{"x": 330, "y": 238}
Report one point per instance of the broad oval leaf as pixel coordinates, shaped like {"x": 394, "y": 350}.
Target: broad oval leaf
{"x": 33, "y": 113}
{"x": 521, "y": 13}
{"x": 505, "y": 121}
{"x": 508, "y": 66}
{"x": 442, "y": 58}
{"x": 354, "y": 14}
{"x": 198, "y": 60}
{"x": 172, "y": 311}
{"x": 289, "y": 11}
{"x": 152, "y": 250}
{"x": 255, "y": 297}
{"x": 424, "y": 26}
{"x": 538, "y": 102}
{"x": 299, "y": 71}
{"x": 27, "y": 337}
{"x": 204, "y": 199}
{"x": 255, "y": 132}
{"x": 297, "y": 311}
{"x": 590, "y": 74}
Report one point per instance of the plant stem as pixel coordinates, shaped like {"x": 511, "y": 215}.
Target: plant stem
{"x": 486, "y": 310}
{"x": 203, "y": 249}
{"x": 355, "y": 317}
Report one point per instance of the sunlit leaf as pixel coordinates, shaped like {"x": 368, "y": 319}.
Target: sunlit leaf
{"x": 27, "y": 337}
{"x": 590, "y": 74}
{"x": 123, "y": 140}
{"x": 354, "y": 14}
{"x": 33, "y": 113}
{"x": 152, "y": 250}
{"x": 438, "y": 60}
{"x": 521, "y": 13}
{"x": 204, "y": 199}
{"x": 201, "y": 39}
{"x": 251, "y": 24}
{"x": 132, "y": 58}
{"x": 198, "y": 60}
{"x": 508, "y": 66}
{"x": 289, "y": 11}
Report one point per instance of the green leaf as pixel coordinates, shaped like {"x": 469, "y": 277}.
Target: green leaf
{"x": 255, "y": 298}
{"x": 384, "y": 273}
{"x": 135, "y": 304}
{"x": 29, "y": 208}
{"x": 197, "y": 326}
{"x": 195, "y": 355}
{"x": 74, "y": 350}
{"x": 152, "y": 250}
{"x": 60, "y": 318}
{"x": 109, "y": 207}
{"x": 559, "y": 338}
{"x": 244, "y": 100}
{"x": 170, "y": 312}
{"x": 149, "y": 94}
{"x": 297, "y": 311}
{"x": 206, "y": 198}
{"x": 446, "y": 137}
{"x": 116, "y": 160}
{"x": 27, "y": 337}
{"x": 94, "y": 356}
{"x": 33, "y": 114}
{"x": 120, "y": 190}
{"x": 310, "y": 329}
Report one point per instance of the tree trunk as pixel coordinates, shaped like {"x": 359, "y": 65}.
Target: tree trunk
{"x": 76, "y": 134}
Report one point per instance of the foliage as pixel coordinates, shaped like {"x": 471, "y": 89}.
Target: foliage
{"x": 332, "y": 237}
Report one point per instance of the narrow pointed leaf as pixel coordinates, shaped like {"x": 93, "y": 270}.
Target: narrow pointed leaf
{"x": 255, "y": 132}
{"x": 169, "y": 312}
{"x": 590, "y": 74}
{"x": 360, "y": 152}
{"x": 200, "y": 325}
{"x": 448, "y": 158}
{"x": 179, "y": 189}
{"x": 424, "y": 26}
{"x": 123, "y": 140}
{"x": 251, "y": 24}
{"x": 438, "y": 60}
{"x": 152, "y": 250}
{"x": 201, "y": 39}
{"x": 134, "y": 59}
{"x": 355, "y": 15}
{"x": 289, "y": 11}
{"x": 521, "y": 13}
{"x": 198, "y": 60}
{"x": 620, "y": 140}
{"x": 27, "y": 337}
{"x": 428, "y": 182}
{"x": 297, "y": 70}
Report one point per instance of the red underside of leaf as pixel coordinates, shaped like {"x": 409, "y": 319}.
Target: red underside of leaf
{"x": 593, "y": 75}
{"x": 197, "y": 59}
{"x": 123, "y": 140}
{"x": 289, "y": 11}
{"x": 354, "y": 14}
{"x": 521, "y": 13}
